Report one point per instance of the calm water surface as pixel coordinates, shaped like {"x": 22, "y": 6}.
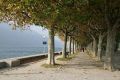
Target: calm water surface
{"x": 11, "y": 52}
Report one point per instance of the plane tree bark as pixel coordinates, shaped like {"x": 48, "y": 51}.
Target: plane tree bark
{"x": 112, "y": 20}
{"x": 94, "y": 45}
{"x": 65, "y": 45}
{"x": 73, "y": 51}
{"x": 110, "y": 49}
{"x": 70, "y": 45}
{"x": 51, "y": 58}
{"x": 100, "y": 40}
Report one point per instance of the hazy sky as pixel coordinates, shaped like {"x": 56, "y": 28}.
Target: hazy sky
{"x": 28, "y": 38}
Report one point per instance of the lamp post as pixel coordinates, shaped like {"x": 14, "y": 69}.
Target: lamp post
{"x": 44, "y": 44}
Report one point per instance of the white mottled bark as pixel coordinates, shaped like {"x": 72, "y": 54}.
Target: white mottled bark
{"x": 73, "y": 46}
{"x": 70, "y": 45}
{"x": 99, "y": 52}
{"x": 94, "y": 47}
{"x": 65, "y": 46}
{"x": 110, "y": 49}
{"x": 51, "y": 59}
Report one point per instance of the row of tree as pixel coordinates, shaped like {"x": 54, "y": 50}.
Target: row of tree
{"x": 82, "y": 21}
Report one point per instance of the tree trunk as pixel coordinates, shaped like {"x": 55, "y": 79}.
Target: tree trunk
{"x": 65, "y": 46}
{"x": 80, "y": 47}
{"x": 70, "y": 45}
{"x": 99, "y": 52}
{"x": 73, "y": 47}
{"x": 76, "y": 47}
{"x": 94, "y": 47}
{"x": 51, "y": 59}
{"x": 108, "y": 64}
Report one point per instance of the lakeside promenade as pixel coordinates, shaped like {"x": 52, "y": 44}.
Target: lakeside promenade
{"x": 82, "y": 67}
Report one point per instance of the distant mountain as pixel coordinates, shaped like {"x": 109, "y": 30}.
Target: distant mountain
{"x": 33, "y": 37}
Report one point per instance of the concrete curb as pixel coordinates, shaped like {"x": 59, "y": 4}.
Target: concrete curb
{"x": 17, "y": 61}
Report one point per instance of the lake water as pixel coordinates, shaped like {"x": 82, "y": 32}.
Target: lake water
{"x": 11, "y": 52}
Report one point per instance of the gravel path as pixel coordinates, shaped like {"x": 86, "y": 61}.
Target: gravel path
{"x": 80, "y": 68}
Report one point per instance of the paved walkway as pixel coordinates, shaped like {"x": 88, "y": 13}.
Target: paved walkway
{"x": 84, "y": 61}
{"x": 80, "y": 68}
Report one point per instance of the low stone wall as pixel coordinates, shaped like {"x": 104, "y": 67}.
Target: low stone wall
{"x": 32, "y": 58}
{"x": 3, "y": 64}
{"x": 13, "y": 62}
